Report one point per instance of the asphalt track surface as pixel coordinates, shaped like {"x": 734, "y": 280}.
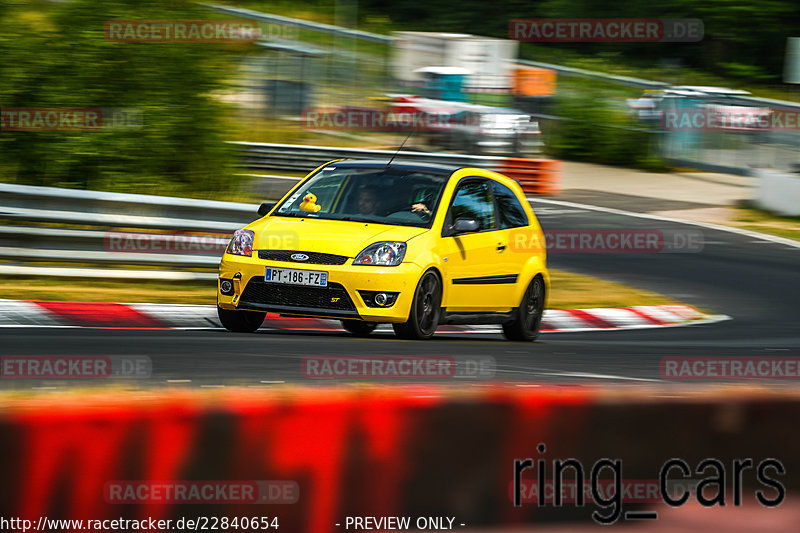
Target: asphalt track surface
{"x": 755, "y": 282}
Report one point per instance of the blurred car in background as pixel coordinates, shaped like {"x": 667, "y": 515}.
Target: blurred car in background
{"x": 493, "y": 130}
{"x": 651, "y": 105}
{"x": 475, "y": 129}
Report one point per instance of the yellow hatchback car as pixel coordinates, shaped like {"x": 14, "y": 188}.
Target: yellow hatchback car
{"x": 412, "y": 244}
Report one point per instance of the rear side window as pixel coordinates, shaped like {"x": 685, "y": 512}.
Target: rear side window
{"x": 473, "y": 200}
{"x": 509, "y": 210}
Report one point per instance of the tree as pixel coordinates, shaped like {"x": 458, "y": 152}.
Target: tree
{"x": 60, "y": 58}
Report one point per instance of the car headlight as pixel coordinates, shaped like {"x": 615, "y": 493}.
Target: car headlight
{"x": 241, "y": 243}
{"x": 386, "y": 253}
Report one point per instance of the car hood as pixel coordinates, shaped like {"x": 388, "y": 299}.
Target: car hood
{"x": 329, "y": 236}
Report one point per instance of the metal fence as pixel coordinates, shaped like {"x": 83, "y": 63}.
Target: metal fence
{"x": 65, "y": 232}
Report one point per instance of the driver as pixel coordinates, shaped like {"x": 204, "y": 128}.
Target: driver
{"x": 369, "y": 200}
{"x": 421, "y": 201}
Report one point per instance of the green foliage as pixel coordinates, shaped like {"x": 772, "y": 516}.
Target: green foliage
{"x": 592, "y": 130}
{"x": 746, "y": 72}
{"x": 55, "y": 55}
{"x": 747, "y": 33}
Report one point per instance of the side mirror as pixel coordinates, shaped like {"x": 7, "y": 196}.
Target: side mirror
{"x": 265, "y": 208}
{"x": 464, "y": 225}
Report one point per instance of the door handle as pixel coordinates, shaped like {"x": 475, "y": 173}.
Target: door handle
{"x": 501, "y": 247}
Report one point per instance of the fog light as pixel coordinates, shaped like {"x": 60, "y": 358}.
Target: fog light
{"x": 226, "y": 286}
{"x": 378, "y": 299}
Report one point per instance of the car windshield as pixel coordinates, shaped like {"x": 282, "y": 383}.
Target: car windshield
{"x": 385, "y": 196}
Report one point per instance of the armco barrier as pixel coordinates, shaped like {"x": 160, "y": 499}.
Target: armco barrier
{"x": 370, "y": 452}
{"x": 183, "y": 236}
{"x": 537, "y": 176}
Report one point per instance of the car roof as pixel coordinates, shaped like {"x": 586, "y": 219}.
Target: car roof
{"x": 398, "y": 164}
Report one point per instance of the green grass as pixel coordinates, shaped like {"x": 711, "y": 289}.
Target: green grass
{"x": 765, "y": 222}
{"x": 575, "y": 291}
{"x": 567, "y": 291}
{"x": 85, "y": 290}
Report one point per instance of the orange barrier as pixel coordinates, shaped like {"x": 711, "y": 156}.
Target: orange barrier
{"x": 377, "y": 452}
{"x": 535, "y": 176}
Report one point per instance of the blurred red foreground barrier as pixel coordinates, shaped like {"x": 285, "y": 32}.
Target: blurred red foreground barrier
{"x": 402, "y": 451}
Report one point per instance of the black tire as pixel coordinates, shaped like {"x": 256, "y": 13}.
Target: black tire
{"x": 425, "y": 309}
{"x": 528, "y": 316}
{"x": 359, "y": 328}
{"x": 240, "y": 321}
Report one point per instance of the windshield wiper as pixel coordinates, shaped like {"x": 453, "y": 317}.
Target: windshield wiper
{"x": 362, "y": 219}
{"x": 291, "y": 214}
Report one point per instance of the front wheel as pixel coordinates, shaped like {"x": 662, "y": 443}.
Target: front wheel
{"x": 528, "y": 316}
{"x": 359, "y": 328}
{"x": 425, "y": 310}
{"x": 240, "y": 321}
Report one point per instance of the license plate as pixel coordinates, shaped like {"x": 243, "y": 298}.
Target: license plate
{"x": 296, "y": 277}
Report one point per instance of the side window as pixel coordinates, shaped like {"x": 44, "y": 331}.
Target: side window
{"x": 473, "y": 200}
{"x": 509, "y": 210}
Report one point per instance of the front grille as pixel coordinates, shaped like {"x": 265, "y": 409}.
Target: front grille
{"x": 314, "y": 258}
{"x": 332, "y": 297}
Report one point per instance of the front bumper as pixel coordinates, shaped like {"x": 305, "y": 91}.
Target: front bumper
{"x": 340, "y": 300}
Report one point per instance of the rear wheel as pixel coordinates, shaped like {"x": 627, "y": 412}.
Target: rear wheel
{"x": 240, "y": 321}
{"x": 359, "y": 328}
{"x": 528, "y": 316}
{"x": 425, "y": 309}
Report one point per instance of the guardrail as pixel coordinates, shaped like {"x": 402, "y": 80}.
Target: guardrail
{"x": 97, "y": 208}
{"x": 541, "y": 176}
{"x": 175, "y": 238}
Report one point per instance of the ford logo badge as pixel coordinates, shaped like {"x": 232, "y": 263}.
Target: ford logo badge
{"x": 299, "y": 257}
